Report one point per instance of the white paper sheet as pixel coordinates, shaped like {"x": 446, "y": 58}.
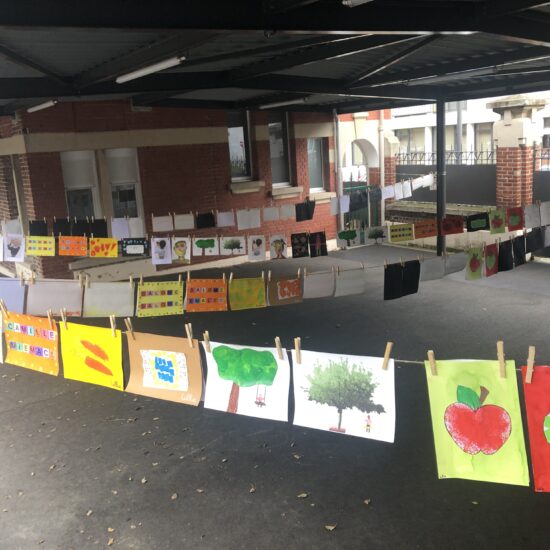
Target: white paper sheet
{"x": 120, "y": 228}
{"x": 455, "y": 262}
{"x": 232, "y": 246}
{"x": 271, "y": 214}
{"x": 104, "y": 299}
{"x": 344, "y": 204}
{"x": 407, "y": 190}
{"x": 13, "y": 294}
{"x": 432, "y": 269}
{"x": 1, "y": 248}
{"x": 256, "y": 248}
{"x": 12, "y": 226}
{"x": 206, "y": 250}
{"x": 532, "y": 215}
{"x": 278, "y": 247}
{"x": 161, "y": 250}
{"x": 54, "y": 294}
{"x": 288, "y": 212}
{"x": 264, "y": 381}
{"x": 136, "y": 228}
{"x": 388, "y": 192}
{"x": 183, "y": 222}
{"x": 417, "y": 183}
{"x": 545, "y": 213}
{"x": 14, "y": 248}
{"x": 352, "y": 281}
{"x": 226, "y": 219}
{"x": 318, "y": 285}
{"x": 163, "y": 224}
{"x": 326, "y": 395}
{"x": 398, "y": 189}
{"x": 334, "y": 203}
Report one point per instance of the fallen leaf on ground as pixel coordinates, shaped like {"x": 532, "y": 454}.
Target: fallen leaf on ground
{"x": 302, "y": 495}
{"x": 252, "y": 488}
{"x": 224, "y": 459}
{"x": 174, "y": 496}
{"x": 297, "y": 456}
{"x": 89, "y": 513}
{"x": 200, "y": 491}
{"x": 330, "y": 527}
{"x": 143, "y": 480}
{"x": 110, "y": 542}
{"x": 110, "y": 529}
{"x": 366, "y": 502}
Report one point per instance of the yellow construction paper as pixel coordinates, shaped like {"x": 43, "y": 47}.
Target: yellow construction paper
{"x": 40, "y": 246}
{"x": 92, "y": 354}
{"x": 163, "y": 298}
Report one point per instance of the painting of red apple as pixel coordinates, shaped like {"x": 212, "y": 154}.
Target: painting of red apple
{"x": 473, "y": 267}
{"x": 491, "y": 260}
{"x": 496, "y": 220}
{"x": 476, "y": 427}
{"x": 515, "y": 218}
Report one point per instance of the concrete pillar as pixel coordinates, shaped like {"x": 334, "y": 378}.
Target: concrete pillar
{"x": 428, "y": 140}
{"x": 514, "y": 136}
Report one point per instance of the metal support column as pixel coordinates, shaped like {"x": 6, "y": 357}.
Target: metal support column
{"x": 441, "y": 174}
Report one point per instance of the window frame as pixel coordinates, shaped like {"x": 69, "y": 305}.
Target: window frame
{"x": 286, "y": 148}
{"x": 325, "y": 166}
{"x": 247, "y": 145}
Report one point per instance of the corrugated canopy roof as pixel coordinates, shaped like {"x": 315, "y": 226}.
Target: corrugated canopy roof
{"x": 309, "y": 54}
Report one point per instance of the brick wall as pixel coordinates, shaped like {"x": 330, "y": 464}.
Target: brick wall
{"x": 514, "y": 176}
{"x": 8, "y": 201}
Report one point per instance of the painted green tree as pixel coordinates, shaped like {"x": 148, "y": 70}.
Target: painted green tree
{"x": 205, "y": 243}
{"x": 245, "y": 368}
{"x": 348, "y": 235}
{"x": 376, "y": 233}
{"x": 344, "y": 387}
{"x": 232, "y": 244}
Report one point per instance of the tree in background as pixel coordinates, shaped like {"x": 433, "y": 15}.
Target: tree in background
{"x": 245, "y": 368}
{"x": 348, "y": 235}
{"x": 232, "y": 244}
{"x": 376, "y": 233}
{"x": 204, "y": 244}
{"x": 344, "y": 387}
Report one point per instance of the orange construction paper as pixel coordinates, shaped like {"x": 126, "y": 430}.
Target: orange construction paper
{"x": 206, "y": 295}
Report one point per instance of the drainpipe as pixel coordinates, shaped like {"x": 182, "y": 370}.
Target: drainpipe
{"x": 381, "y": 157}
{"x": 19, "y": 195}
{"x": 441, "y": 174}
{"x": 339, "y": 182}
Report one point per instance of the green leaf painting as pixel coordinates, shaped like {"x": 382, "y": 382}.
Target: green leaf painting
{"x": 247, "y": 293}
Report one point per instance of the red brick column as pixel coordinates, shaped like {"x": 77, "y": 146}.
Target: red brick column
{"x": 514, "y": 176}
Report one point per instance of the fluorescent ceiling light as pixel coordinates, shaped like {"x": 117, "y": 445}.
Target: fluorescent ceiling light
{"x": 284, "y": 103}
{"x": 150, "y": 69}
{"x": 41, "y": 106}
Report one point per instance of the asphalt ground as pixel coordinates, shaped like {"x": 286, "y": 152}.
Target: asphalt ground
{"x": 84, "y": 466}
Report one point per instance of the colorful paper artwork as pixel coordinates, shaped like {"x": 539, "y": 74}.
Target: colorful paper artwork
{"x": 300, "y": 245}
{"x": 515, "y": 219}
{"x": 425, "y": 229}
{"x": 104, "y": 299}
{"x": 247, "y": 380}
{"x": 164, "y": 367}
{"x": 318, "y": 244}
{"x": 206, "y": 246}
{"x": 345, "y": 394}
{"x": 14, "y": 247}
{"x": 401, "y": 232}
{"x": 135, "y": 246}
{"x": 232, "y": 246}
{"x": 247, "y": 293}
{"x": 476, "y": 421}
{"x": 206, "y": 295}
{"x": 491, "y": 259}
{"x": 452, "y": 225}
{"x": 477, "y": 222}
{"x": 497, "y": 220}
{"x": 40, "y": 246}
{"x": 159, "y": 298}
{"x": 256, "y": 248}
{"x": 181, "y": 250}
{"x": 284, "y": 291}
{"x": 537, "y": 406}
{"x": 12, "y": 292}
{"x": 72, "y": 246}
{"x": 318, "y": 285}
{"x": 474, "y": 264}
{"x": 350, "y": 281}
{"x": 277, "y": 247}
{"x": 54, "y": 294}
{"x": 161, "y": 250}
{"x": 31, "y": 342}
{"x": 92, "y": 355}
{"x": 348, "y": 238}
{"x": 103, "y": 248}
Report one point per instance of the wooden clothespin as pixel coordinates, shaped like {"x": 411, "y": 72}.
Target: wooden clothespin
{"x": 131, "y": 280}
{"x": 21, "y": 279}
{"x": 363, "y": 266}
{"x": 298, "y": 350}
{"x": 206, "y": 338}
{"x": 189, "y": 276}
{"x": 129, "y": 327}
{"x": 263, "y": 275}
{"x": 179, "y": 278}
{"x": 4, "y": 309}
{"x": 230, "y": 277}
{"x": 279, "y": 347}
{"x": 63, "y": 315}
{"x": 387, "y": 354}
{"x": 530, "y": 365}
{"x": 33, "y": 278}
{"x": 501, "y": 361}
{"x": 338, "y": 270}
{"x": 433, "y": 365}
{"x": 50, "y": 318}
{"x": 402, "y": 262}
{"x": 299, "y": 272}
{"x": 112, "y": 318}
{"x": 140, "y": 279}
{"x": 269, "y": 275}
{"x": 305, "y": 272}
{"x": 223, "y": 277}
{"x": 189, "y": 331}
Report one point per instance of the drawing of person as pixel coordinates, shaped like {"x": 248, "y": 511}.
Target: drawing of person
{"x": 14, "y": 246}
{"x": 160, "y": 249}
{"x": 180, "y": 250}
{"x": 257, "y": 247}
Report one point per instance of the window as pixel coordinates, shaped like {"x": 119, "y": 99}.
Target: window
{"x": 411, "y": 140}
{"x": 278, "y": 149}
{"x": 239, "y": 145}
{"x": 357, "y": 157}
{"x": 318, "y": 164}
{"x": 80, "y": 179}
{"x": 124, "y": 179}
{"x": 484, "y": 136}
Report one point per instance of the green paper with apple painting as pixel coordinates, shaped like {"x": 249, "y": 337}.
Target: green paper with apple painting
{"x": 491, "y": 260}
{"x": 474, "y": 264}
{"x": 476, "y": 421}
{"x": 497, "y": 220}
{"x": 515, "y": 219}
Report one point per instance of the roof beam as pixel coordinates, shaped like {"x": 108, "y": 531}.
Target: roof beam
{"x": 394, "y": 59}
{"x": 520, "y": 29}
{"x": 498, "y": 8}
{"x": 451, "y": 67}
{"x": 282, "y": 6}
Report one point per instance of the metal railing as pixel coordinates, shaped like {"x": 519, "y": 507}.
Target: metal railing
{"x": 541, "y": 160}
{"x": 451, "y": 157}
